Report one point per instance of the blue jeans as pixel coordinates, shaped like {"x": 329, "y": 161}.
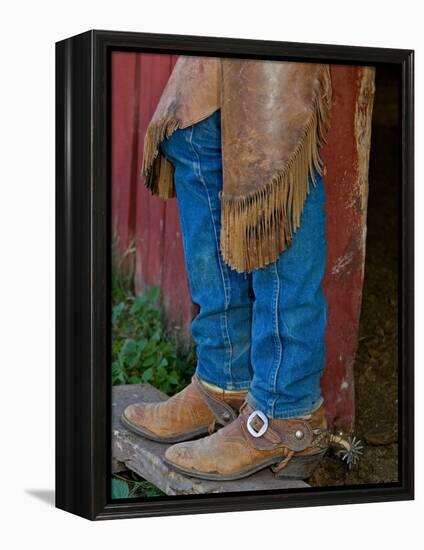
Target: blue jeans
{"x": 262, "y": 331}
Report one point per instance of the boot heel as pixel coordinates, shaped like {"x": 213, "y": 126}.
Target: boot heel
{"x": 300, "y": 467}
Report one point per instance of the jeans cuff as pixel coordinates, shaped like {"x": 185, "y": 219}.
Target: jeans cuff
{"x": 276, "y": 410}
{"x": 224, "y": 384}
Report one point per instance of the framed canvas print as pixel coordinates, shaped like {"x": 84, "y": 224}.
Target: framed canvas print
{"x": 234, "y": 274}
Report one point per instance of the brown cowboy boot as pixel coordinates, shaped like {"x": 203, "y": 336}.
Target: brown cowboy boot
{"x": 293, "y": 448}
{"x": 190, "y": 413}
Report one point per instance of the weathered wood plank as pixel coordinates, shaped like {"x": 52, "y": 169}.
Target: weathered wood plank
{"x": 145, "y": 457}
{"x": 346, "y": 156}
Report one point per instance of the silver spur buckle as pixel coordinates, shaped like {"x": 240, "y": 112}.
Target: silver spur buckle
{"x": 253, "y": 432}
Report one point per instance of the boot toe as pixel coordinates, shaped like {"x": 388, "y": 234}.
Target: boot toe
{"x": 133, "y": 413}
{"x": 180, "y": 455}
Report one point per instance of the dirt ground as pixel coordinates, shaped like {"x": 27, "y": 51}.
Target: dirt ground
{"x": 376, "y": 382}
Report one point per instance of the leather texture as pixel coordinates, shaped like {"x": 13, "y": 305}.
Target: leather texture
{"x": 274, "y": 116}
{"x": 232, "y": 452}
{"x": 192, "y": 91}
{"x": 192, "y": 411}
{"x": 265, "y": 109}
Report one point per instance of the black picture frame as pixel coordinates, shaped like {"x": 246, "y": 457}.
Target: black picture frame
{"x": 83, "y": 388}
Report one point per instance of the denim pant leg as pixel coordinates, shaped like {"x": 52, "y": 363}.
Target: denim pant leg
{"x": 222, "y": 328}
{"x": 289, "y": 320}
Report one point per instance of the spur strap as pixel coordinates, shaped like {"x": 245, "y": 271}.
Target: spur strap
{"x": 294, "y": 434}
{"x": 223, "y": 413}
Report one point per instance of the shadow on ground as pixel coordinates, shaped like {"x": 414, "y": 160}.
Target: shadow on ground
{"x": 45, "y": 495}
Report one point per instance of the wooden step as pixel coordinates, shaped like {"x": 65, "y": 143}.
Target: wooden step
{"x": 144, "y": 457}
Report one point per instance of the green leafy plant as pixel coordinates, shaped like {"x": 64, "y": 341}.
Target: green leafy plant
{"x": 130, "y": 485}
{"x": 144, "y": 348}
{"x": 120, "y": 488}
